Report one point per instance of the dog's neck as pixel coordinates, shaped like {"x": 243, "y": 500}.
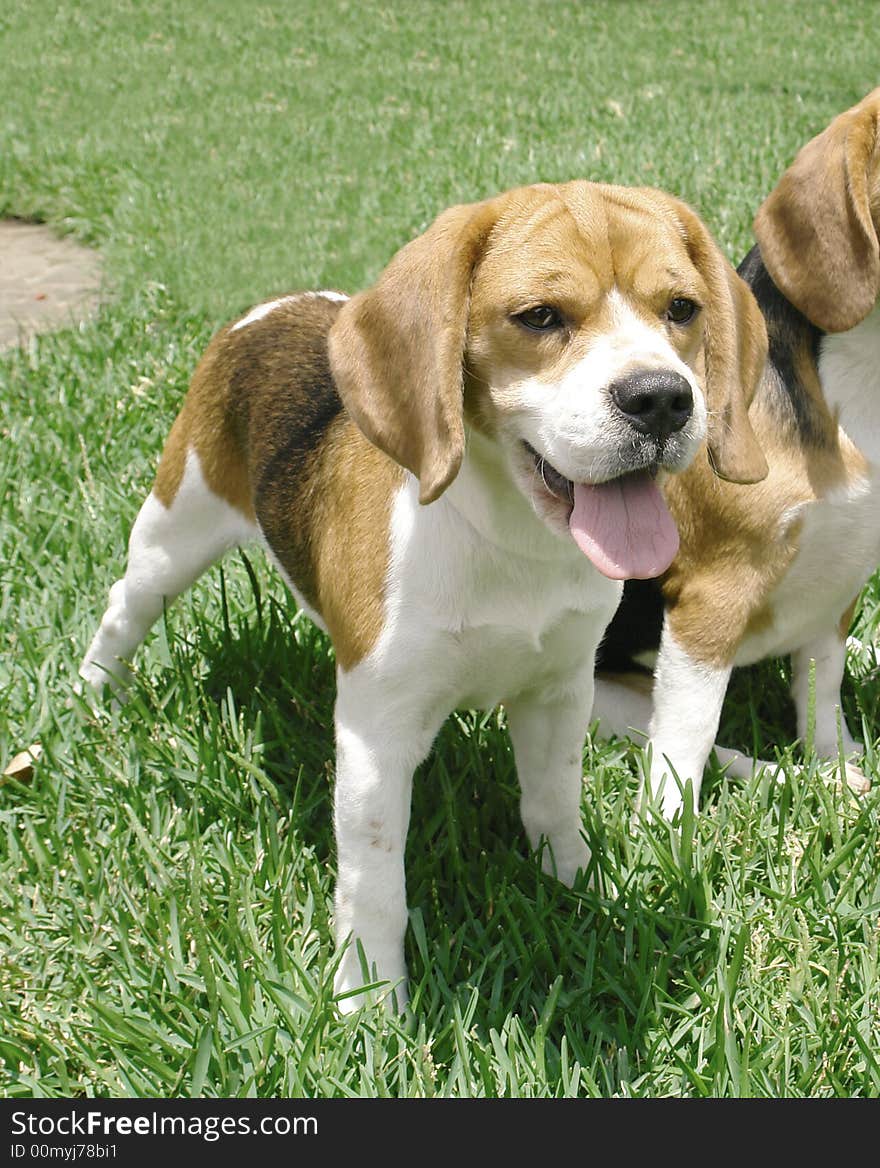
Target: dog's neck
{"x": 484, "y": 494}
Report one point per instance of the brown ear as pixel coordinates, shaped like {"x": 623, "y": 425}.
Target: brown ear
{"x": 396, "y": 350}
{"x": 817, "y": 229}
{"x": 734, "y": 353}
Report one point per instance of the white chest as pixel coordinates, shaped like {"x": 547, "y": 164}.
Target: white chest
{"x": 475, "y": 622}
{"x": 849, "y": 368}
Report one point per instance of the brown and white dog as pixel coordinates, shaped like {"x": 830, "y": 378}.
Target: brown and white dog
{"x": 453, "y": 471}
{"x": 776, "y": 568}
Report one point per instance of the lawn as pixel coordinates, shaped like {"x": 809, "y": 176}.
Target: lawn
{"x": 166, "y": 872}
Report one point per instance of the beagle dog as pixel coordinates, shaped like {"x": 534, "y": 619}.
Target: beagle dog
{"x": 453, "y": 471}
{"x": 776, "y": 568}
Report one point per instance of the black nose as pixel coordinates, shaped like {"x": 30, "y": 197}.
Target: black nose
{"x": 656, "y": 402}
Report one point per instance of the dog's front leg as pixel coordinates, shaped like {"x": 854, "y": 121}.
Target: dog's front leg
{"x": 547, "y": 732}
{"x": 377, "y": 750}
{"x": 688, "y": 696}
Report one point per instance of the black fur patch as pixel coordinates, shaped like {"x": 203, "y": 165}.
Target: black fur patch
{"x": 635, "y": 627}
{"x": 791, "y": 336}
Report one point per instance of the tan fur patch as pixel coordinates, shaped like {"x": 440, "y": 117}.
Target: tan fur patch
{"x": 205, "y": 425}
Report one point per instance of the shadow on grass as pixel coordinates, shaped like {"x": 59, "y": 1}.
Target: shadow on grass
{"x": 597, "y": 975}
{"x": 279, "y": 671}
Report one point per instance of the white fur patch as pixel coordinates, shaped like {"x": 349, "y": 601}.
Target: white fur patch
{"x": 688, "y": 696}
{"x": 849, "y": 368}
{"x": 168, "y": 549}
{"x": 257, "y": 313}
{"x": 263, "y": 310}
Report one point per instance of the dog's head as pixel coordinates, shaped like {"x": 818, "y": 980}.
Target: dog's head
{"x": 596, "y": 333}
{"x": 818, "y": 228}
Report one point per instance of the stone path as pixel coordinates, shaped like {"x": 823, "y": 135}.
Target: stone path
{"x": 45, "y": 281}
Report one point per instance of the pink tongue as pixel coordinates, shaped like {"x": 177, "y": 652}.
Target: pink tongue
{"x": 624, "y": 527}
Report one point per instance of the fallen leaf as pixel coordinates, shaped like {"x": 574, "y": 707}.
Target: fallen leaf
{"x": 22, "y": 766}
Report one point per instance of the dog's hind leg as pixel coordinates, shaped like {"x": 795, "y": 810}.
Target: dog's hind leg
{"x": 817, "y": 671}
{"x": 817, "y": 675}
{"x": 176, "y": 536}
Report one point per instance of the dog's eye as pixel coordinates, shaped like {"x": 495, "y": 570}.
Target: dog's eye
{"x": 681, "y": 310}
{"x": 540, "y": 319}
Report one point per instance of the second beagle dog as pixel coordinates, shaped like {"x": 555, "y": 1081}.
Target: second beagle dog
{"x": 776, "y": 568}
{"x": 454, "y": 470}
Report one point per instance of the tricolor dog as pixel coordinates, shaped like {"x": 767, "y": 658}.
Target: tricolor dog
{"x": 776, "y": 568}
{"x": 454, "y": 471}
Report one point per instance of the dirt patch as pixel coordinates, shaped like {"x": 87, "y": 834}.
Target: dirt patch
{"x": 46, "y": 281}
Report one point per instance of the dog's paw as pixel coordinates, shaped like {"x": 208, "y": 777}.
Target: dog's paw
{"x": 385, "y": 986}
{"x": 95, "y": 683}
{"x": 384, "y": 996}
{"x": 567, "y": 861}
{"x": 855, "y": 778}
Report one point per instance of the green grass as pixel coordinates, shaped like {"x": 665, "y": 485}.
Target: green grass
{"x": 165, "y": 876}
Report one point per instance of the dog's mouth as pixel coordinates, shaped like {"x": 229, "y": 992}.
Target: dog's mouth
{"x": 621, "y": 524}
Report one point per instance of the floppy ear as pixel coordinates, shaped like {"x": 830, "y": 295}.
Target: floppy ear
{"x": 396, "y": 350}
{"x": 817, "y": 229}
{"x": 734, "y": 353}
